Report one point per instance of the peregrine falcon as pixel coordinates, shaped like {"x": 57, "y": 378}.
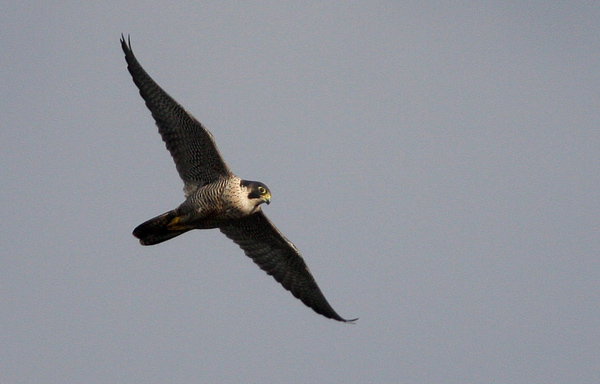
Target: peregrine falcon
{"x": 216, "y": 198}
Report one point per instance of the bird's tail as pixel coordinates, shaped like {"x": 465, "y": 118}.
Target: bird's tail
{"x": 161, "y": 228}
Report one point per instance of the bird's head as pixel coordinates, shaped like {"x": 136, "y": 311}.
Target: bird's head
{"x": 257, "y": 190}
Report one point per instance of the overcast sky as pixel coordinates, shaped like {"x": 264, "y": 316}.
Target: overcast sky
{"x": 437, "y": 164}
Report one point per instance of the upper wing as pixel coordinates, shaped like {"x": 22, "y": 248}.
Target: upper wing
{"x": 192, "y": 146}
{"x": 276, "y": 255}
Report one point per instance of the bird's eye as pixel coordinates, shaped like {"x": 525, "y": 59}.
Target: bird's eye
{"x": 262, "y": 189}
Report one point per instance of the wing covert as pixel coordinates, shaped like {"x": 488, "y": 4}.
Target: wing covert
{"x": 191, "y": 145}
{"x": 277, "y": 256}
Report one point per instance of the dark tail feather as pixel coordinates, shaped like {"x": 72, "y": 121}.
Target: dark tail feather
{"x": 159, "y": 229}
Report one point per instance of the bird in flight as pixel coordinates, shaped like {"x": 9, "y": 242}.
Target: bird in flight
{"x": 216, "y": 198}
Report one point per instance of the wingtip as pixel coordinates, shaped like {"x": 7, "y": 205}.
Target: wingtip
{"x": 126, "y": 44}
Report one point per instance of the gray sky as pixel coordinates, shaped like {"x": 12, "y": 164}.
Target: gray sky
{"x": 436, "y": 164}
